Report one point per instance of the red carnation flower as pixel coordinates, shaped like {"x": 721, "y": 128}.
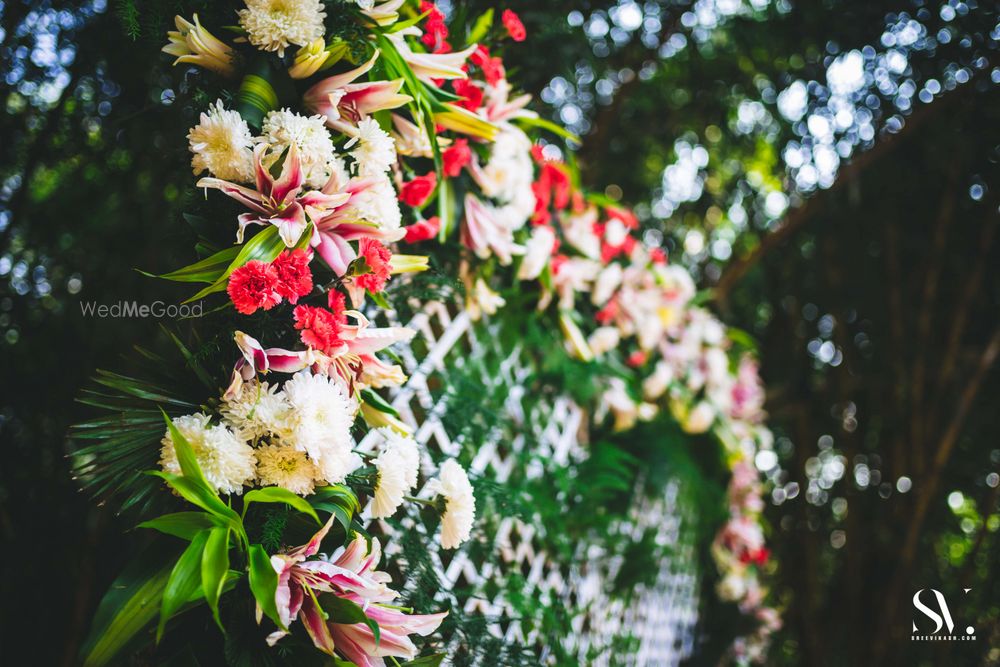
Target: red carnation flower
{"x": 637, "y": 358}
{"x": 320, "y": 327}
{"x": 515, "y": 28}
{"x": 492, "y": 68}
{"x": 423, "y": 230}
{"x": 377, "y": 258}
{"x": 608, "y": 313}
{"x": 415, "y": 192}
{"x": 471, "y": 94}
{"x": 455, "y": 157}
{"x": 254, "y": 285}
{"x": 294, "y": 277}
{"x": 435, "y": 30}
{"x": 757, "y": 557}
{"x": 337, "y": 303}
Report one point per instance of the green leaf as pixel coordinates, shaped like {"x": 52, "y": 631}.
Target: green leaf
{"x": 207, "y": 270}
{"x": 344, "y": 611}
{"x": 202, "y": 496}
{"x": 214, "y": 568}
{"x": 445, "y": 208}
{"x": 185, "y": 525}
{"x": 339, "y": 501}
{"x": 426, "y": 661}
{"x": 130, "y": 604}
{"x": 185, "y": 455}
{"x": 378, "y": 298}
{"x": 403, "y": 25}
{"x": 185, "y": 578}
{"x": 264, "y": 246}
{"x": 276, "y": 494}
{"x": 264, "y": 582}
{"x": 338, "y": 493}
{"x": 480, "y": 27}
{"x": 377, "y": 402}
{"x": 545, "y": 124}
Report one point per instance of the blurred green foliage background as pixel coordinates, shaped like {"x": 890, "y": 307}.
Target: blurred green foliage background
{"x": 829, "y": 167}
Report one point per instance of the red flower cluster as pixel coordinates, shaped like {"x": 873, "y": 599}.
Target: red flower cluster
{"x": 435, "y": 30}
{"x": 552, "y": 188}
{"x": 377, "y": 258}
{"x": 471, "y": 95}
{"x": 609, "y": 312}
{"x": 455, "y": 157}
{"x": 423, "y": 230}
{"x": 515, "y": 28}
{"x": 637, "y": 358}
{"x": 492, "y": 68}
{"x": 557, "y": 262}
{"x": 609, "y": 251}
{"x": 757, "y": 557}
{"x": 321, "y": 327}
{"x": 259, "y": 284}
{"x": 415, "y": 193}
{"x": 294, "y": 277}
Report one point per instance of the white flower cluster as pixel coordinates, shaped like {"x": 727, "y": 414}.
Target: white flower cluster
{"x": 274, "y": 25}
{"x": 453, "y": 485}
{"x": 295, "y": 437}
{"x": 222, "y": 144}
{"x": 398, "y": 465}
{"x": 374, "y": 153}
{"x": 507, "y": 177}
{"x": 284, "y": 129}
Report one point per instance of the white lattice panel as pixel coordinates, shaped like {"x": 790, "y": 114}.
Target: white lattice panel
{"x": 661, "y": 617}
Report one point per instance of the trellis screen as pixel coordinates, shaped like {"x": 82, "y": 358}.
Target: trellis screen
{"x": 660, "y": 618}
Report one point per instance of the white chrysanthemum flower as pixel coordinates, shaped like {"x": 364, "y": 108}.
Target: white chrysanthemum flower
{"x": 323, "y": 415}
{"x": 732, "y": 587}
{"x": 397, "y": 466}
{"x": 378, "y": 204}
{"x": 337, "y": 167}
{"x": 508, "y": 174}
{"x": 284, "y": 128}
{"x": 226, "y": 461}
{"x": 258, "y": 409}
{"x": 274, "y": 25}
{"x": 460, "y": 504}
{"x": 287, "y": 467}
{"x": 374, "y": 150}
{"x": 221, "y": 143}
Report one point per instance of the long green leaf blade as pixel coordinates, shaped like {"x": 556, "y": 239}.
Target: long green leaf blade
{"x": 214, "y": 566}
{"x": 185, "y": 578}
{"x": 276, "y": 494}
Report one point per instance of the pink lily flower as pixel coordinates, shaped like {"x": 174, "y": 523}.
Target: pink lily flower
{"x": 345, "y": 103}
{"x": 354, "y": 363}
{"x": 357, "y": 360}
{"x": 485, "y": 232}
{"x": 337, "y": 226}
{"x": 348, "y": 574}
{"x": 277, "y": 201}
{"x": 430, "y": 66}
{"x": 256, "y": 359}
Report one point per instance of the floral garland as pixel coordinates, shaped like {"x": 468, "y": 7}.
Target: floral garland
{"x": 329, "y": 144}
